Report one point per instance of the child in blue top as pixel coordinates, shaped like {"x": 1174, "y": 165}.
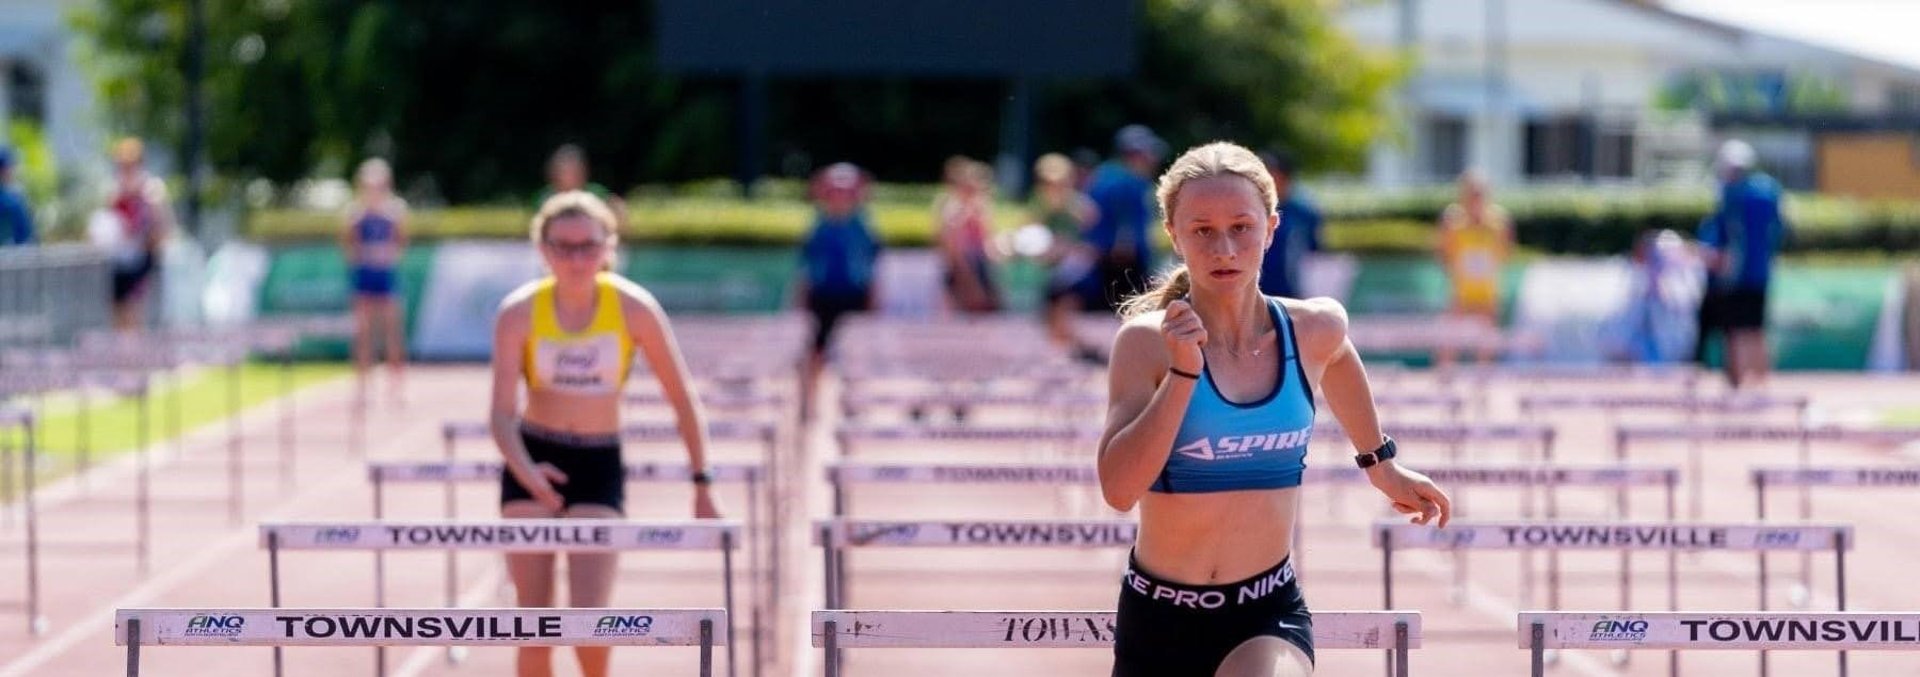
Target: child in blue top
{"x": 837, "y": 259}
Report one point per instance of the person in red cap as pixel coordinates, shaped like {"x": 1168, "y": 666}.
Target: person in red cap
{"x": 836, "y": 261}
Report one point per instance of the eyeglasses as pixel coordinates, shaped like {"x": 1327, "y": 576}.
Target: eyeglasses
{"x": 577, "y": 248}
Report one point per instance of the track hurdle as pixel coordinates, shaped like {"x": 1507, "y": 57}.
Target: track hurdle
{"x": 1801, "y": 435}
{"x": 1397, "y": 631}
{"x": 1391, "y": 536}
{"x": 382, "y": 472}
{"x": 1691, "y": 403}
{"x": 22, "y": 420}
{"x": 844, "y": 473}
{"x": 1721, "y": 631}
{"x": 500, "y": 536}
{"x": 58, "y": 371}
{"x": 767, "y": 434}
{"x": 848, "y": 435}
{"x": 836, "y": 536}
{"x": 139, "y": 628}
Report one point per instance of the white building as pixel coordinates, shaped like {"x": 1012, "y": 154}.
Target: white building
{"x": 1547, "y": 90}
{"x": 41, "y": 81}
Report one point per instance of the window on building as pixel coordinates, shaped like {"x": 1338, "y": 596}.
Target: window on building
{"x": 1568, "y": 146}
{"x": 1903, "y": 99}
{"x": 1447, "y": 146}
{"x": 26, "y": 92}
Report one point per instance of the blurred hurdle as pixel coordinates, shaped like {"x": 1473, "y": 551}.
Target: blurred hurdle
{"x": 836, "y": 536}
{"x": 1803, "y": 436}
{"x": 1692, "y": 404}
{"x": 500, "y": 536}
{"x": 840, "y": 475}
{"x": 1396, "y": 631}
{"x": 1721, "y": 631}
{"x": 40, "y": 372}
{"x": 850, "y": 435}
{"x": 22, "y": 420}
{"x": 1390, "y": 536}
{"x": 138, "y": 628}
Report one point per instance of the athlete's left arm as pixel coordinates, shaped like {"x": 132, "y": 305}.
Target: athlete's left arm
{"x": 1320, "y": 328}
{"x": 647, "y": 323}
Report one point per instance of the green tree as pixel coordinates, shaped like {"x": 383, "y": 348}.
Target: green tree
{"x": 470, "y": 96}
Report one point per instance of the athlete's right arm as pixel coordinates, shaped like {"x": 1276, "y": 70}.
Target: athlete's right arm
{"x": 510, "y": 329}
{"x": 1145, "y": 402}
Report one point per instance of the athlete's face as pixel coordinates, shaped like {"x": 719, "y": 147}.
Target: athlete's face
{"x": 1222, "y": 227}
{"x": 574, "y": 247}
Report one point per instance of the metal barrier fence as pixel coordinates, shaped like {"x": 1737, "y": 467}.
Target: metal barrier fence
{"x": 51, "y": 293}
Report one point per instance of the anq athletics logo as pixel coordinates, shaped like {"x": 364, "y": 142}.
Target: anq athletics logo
{"x": 205, "y": 625}
{"x": 623, "y": 626}
{"x": 1618, "y": 631}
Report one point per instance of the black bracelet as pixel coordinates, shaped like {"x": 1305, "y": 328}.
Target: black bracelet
{"x": 702, "y": 478}
{"x": 1176, "y": 372}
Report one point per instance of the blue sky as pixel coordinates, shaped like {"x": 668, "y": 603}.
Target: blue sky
{"x": 1887, "y": 30}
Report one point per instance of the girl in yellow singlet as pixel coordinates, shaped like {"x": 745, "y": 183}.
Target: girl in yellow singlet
{"x": 572, "y": 338}
{"x": 1475, "y": 238}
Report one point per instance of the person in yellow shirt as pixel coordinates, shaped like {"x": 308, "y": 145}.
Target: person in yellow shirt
{"x": 1476, "y": 236}
{"x": 572, "y": 337}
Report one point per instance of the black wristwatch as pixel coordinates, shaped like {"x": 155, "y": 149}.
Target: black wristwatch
{"x": 1386, "y": 451}
{"x": 700, "y": 477}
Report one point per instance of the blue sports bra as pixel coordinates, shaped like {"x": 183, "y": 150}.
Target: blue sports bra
{"x": 1230, "y": 446}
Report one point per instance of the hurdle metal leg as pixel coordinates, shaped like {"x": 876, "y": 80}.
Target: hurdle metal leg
{"x": 832, "y": 643}
{"x": 726, "y": 572}
{"x": 286, "y": 417}
{"x": 1386, "y": 584}
{"x": 450, "y": 508}
{"x": 1840, "y": 584}
{"x": 144, "y": 521}
{"x": 1537, "y": 648}
{"x": 1400, "y": 648}
{"x": 236, "y": 479}
{"x": 706, "y": 648}
{"x": 29, "y": 452}
{"x": 273, "y": 591}
{"x": 133, "y": 647}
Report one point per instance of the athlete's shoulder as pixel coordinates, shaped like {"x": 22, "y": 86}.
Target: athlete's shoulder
{"x": 1319, "y": 323}
{"x": 1139, "y": 337}
{"x": 631, "y": 293}
{"x": 521, "y": 298}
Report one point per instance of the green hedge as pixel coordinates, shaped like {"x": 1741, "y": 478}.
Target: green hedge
{"x": 1559, "y": 221}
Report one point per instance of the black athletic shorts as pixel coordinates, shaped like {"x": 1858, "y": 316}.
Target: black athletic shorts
{"x": 1743, "y": 308}
{"x": 595, "y": 474}
{"x": 827, "y": 310}
{"x": 1173, "y": 630}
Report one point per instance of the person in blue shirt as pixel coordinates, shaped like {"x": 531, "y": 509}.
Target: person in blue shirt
{"x": 1297, "y": 236}
{"x": 837, "y": 260}
{"x": 16, "y": 219}
{"x": 1122, "y": 194}
{"x": 1738, "y": 242}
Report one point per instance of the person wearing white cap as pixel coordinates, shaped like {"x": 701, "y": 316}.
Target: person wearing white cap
{"x": 1738, "y": 242}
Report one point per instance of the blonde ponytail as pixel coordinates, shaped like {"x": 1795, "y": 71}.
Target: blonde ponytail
{"x": 1165, "y": 291}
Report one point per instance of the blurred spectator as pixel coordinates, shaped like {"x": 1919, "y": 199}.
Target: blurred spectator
{"x": 16, "y": 219}
{"x": 1297, "y": 236}
{"x": 131, "y": 228}
{"x": 1476, "y": 236}
{"x": 837, "y": 261}
{"x": 964, "y": 212}
{"x": 1656, "y": 326}
{"x": 1738, "y": 242}
{"x": 373, "y": 241}
{"x": 567, "y": 170}
{"x": 1066, "y": 213}
{"x": 1122, "y": 190}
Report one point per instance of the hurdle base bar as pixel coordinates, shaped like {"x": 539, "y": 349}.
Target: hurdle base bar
{"x": 138, "y": 628}
{"x": 1398, "y": 631}
{"x": 1700, "y": 631}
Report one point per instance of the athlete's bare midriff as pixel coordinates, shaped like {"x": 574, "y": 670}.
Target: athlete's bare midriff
{"x": 1219, "y": 537}
{"x": 576, "y": 414}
